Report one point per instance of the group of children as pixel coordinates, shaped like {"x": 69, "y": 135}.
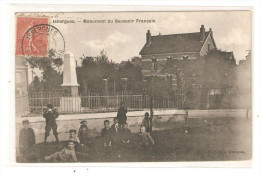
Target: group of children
{"x": 120, "y": 136}
{"x": 117, "y": 137}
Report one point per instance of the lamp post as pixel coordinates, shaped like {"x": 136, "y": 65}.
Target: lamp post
{"x": 125, "y": 83}
{"x": 151, "y": 102}
{"x": 105, "y": 81}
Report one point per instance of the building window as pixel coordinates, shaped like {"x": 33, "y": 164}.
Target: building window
{"x": 18, "y": 77}
{"x": 154, "y": 64}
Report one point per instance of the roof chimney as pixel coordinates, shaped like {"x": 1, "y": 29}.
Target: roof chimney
{"x": 148, "y": 37}
{"x": 202, "y": 33}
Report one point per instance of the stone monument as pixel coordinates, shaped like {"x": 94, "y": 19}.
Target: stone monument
{"x": 70, "y": 101}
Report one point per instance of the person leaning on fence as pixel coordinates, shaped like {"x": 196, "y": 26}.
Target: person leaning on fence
{"x": 121, "y": 114}
{"x": 146, "y": 122}
{"x": 50, "y": 116}
{"x": 26, "y": 141}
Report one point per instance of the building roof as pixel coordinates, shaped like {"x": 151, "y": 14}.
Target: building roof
{"x": 175, "y": 43}
{"x": 229, "y": 55}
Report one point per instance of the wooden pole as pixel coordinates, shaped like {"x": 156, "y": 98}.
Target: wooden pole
{"x": 151, "y": 104}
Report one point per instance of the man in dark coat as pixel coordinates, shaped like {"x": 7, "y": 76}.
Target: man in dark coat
{"x": 121, "y": 114}
{"x": 50, "y": 116}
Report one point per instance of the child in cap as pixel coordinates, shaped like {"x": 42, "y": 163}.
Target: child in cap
{"x": 50, "y": 116}
{"x": 26, "y": 140}
{"x": 83, "y": 132}
{"x": 83, "y": 123}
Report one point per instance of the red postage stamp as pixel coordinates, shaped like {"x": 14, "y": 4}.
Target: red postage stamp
{"x": 29, "y": 43}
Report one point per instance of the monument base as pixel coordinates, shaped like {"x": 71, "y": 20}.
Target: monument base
{"x": 70, "y": 104}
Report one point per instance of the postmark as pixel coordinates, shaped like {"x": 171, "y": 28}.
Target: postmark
{"x": 42, "y": 40}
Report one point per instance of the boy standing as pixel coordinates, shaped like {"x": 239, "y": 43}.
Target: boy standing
{"x": 83, "y": 124}
{"x": 121, "y": 114}
{"x": 146, "y": 122}
{"x": 106, "y": 134}
{"x": 65, "y": 155}
{"x": 26, "y": 140}
{"x": 50, "y": 116}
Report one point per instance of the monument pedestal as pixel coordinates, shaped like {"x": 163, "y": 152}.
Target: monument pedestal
{"x": 70, "y": 101}
{"x": 70, "y": 104}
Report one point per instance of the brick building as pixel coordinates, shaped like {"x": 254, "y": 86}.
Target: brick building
{"x": 159, "y": 48}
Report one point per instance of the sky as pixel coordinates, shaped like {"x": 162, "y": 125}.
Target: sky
{"x": 122, "y": 41}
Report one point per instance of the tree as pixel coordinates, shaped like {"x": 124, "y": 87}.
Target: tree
{"x": 218, "y": 70}
{"x": 213, "y": 71}
{"x": 36, "y": 84}
{"x": 93, "y": 70}
{"x": 244, "y": 73}
{"x": 51, "y": 70}
{"x": 134, "y": 77}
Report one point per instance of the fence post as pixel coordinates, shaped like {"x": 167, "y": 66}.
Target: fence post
{"x": 186, "y": 115}
{"x": 41, "y": 104}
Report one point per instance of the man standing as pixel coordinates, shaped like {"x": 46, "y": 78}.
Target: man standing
{"x": 121, "y": 114}
{"x": 50, "y": 116}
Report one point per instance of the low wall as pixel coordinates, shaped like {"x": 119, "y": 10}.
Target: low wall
{"x": 95, "y": 121}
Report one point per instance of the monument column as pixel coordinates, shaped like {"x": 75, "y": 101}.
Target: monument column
{"x": 70, "y": 100}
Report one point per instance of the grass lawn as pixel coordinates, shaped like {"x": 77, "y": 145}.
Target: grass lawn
{"x": 199, "y": 139}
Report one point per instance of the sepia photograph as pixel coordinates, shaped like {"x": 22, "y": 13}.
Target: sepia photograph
{"x": 146, "y": 86}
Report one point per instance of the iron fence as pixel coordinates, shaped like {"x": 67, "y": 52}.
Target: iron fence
{"x": 101, "y": 103}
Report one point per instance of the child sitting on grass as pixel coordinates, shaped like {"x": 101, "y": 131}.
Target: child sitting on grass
{"x": 73, "y": 136}
{"x": 83, "y": 136}
{"x": 126, "y": 136}
{"x": 145, "y": 144}
{"x": 146, "y": 140}
{"x": 106, "y": 134}
{"x": 65, "y": 155}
